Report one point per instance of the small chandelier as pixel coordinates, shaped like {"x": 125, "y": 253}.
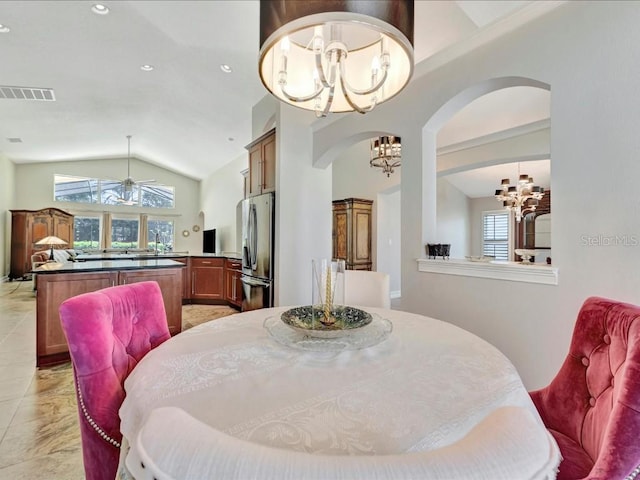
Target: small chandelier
{"x": 386, "y": 153}
{"x": 336, "y": 56}
{"x": 519, "y": 198}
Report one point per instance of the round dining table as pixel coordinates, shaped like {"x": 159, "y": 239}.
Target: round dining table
{"x": 402, "y": 385}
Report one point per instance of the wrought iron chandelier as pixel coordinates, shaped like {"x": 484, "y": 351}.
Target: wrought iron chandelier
{"x": 386, "y": 153}
{"x": 336, "y": 56}
{"x": 522, "y": 197}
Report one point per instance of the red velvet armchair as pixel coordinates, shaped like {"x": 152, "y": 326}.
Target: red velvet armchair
{"x": 592, "y": 406}
{"x": 108, "y": 332}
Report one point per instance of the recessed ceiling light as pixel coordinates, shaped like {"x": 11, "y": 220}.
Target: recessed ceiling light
{"x": 146, "y": 68}
{"x": 4, "y": 29}
{"x": 100, "y": 9}
{"x": 225, "y": 68}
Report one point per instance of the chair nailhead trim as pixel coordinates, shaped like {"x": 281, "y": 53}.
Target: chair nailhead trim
{"x": 92, "y": 422}
{"x": 633, "y": 474}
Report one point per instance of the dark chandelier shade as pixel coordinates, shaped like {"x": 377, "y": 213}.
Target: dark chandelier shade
{"x": 522, "y": 197}
{"x": 336, "y": 56}
{"x": 386, "y": 153}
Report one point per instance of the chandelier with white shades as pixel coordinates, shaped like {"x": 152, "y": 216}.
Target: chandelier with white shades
{"x": 336, "y": 56}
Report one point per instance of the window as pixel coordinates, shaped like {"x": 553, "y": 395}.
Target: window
{"x": 75, "y": 189}
{"x": 124, "y": 233}
{"x": 162, "y": 232}
{"x": 86, "y": 234}
{"x": 495, "y": 234}
{"x": 111, "y": 192}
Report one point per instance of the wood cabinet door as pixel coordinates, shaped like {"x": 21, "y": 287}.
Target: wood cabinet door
{"x": 38, "y": 227}
{"x": 170, "y": 282}
{"x": 255, "y": 170}
{"x": 63, "y": 229}
{"x": 52, "y": 290}
{"x": 207, "y": 279}
{"x": 233, "y": 285}
{"x": 269, "y": 164}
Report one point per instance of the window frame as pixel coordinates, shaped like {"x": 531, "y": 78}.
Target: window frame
{"x": 508, "y": 241}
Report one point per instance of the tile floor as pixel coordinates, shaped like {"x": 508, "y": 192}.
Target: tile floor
{"x": 39, "y": 435}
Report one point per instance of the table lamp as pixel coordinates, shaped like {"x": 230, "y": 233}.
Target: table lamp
{"x": 51, "y": 240}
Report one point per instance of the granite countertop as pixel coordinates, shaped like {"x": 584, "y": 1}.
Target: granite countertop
{"x": 90, "y": 257}
{"x": 104, "y": 265}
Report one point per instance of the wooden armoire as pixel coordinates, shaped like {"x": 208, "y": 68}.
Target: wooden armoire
{"x": 29, "y": 226}
{"x": 352, "y": 232}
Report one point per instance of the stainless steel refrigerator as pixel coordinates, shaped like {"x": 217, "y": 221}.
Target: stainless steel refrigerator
{"x": 258, "y": 216}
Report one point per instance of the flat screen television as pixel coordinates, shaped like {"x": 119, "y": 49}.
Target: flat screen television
{"x": 209, "y": 241}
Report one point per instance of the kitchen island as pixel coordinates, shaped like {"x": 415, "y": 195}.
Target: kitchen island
{"x": 55, "y": 282}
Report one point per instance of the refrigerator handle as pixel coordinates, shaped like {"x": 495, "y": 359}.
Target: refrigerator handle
{"x": 253, "y": 239}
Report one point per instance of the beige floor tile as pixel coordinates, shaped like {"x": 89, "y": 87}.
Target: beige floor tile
{"x": 63, "y": 465}
{"x": 17, "y": 370}
{"x": 14, "y": 388}
{"x": 8, "y": 409}
{"x": 39, "y": 437}
{"x": 39, "y": 434}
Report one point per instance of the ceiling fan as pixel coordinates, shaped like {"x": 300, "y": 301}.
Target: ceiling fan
{"x": 128, "y": 183}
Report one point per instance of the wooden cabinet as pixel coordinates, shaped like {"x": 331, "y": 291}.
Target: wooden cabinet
{"x": 186, "y": 279}
{"x": 352, "y": 233}
{"x": 170, "y": 286}
{"x": 262, "y": 165}
{"x": 29, "y": 226}
{"x": 207, "y": 278}
{"x": 233, "y": 283}
{"x": 54, "y": 288}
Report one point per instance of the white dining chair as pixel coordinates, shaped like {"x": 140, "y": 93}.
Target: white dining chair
{"x": 508, "y": 444}
{"x": 367, "y": 289}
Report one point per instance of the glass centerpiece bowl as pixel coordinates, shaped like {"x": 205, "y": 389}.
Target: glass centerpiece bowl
{"x": 314, "y": 322}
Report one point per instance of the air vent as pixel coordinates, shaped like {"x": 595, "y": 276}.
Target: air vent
{"x": 27, "y": 93}
{"x": 14, "y": 140}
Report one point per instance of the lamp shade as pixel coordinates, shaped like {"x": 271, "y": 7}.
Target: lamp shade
{"x": 51, "y": 240}
{"x": 336, "y": 56}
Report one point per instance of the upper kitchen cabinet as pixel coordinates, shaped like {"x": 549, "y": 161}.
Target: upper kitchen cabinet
{"x": 262, "y": 164}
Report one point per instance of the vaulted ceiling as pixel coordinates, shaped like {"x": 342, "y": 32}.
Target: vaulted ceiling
{"x": 186, "y": 114}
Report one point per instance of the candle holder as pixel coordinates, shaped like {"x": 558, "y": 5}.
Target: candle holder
{"x": 327, "y": 290}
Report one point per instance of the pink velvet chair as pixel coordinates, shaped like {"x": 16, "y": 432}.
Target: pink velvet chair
{"x": 108, "y": 332}
{"x": 592, "y": 406}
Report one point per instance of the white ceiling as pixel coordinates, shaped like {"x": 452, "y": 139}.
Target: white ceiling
{"x": 185, "y": 115}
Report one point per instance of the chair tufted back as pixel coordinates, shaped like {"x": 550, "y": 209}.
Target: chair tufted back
{"x": 592, "y": 406}
{"x": 108, "y": 333}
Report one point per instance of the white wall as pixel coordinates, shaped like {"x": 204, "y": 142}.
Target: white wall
{"x": 7, "y": 182}
{"x": 353, "y": 177}
{"x": 303, "y": 207}
{"x": 453, "y": 219}
{"x": 595, "y": 109}
{"x": 219, "y": 195}
{"x": 36, "y": 192}
{"x": 389, "y": 238}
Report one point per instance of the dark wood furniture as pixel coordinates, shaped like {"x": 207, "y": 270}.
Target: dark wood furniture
{"x": 525, "y": 229}
{"x": 207, "y": 278}
{"x": 352, "y": 232}
{"x": 66, "y": 281}
{"x": 233, "y": 283}
{"x": 30, "y": 226}
{"x": 262, "y": 164}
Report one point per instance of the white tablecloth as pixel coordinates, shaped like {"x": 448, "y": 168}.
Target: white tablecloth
{"x": 423, "y": 388}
